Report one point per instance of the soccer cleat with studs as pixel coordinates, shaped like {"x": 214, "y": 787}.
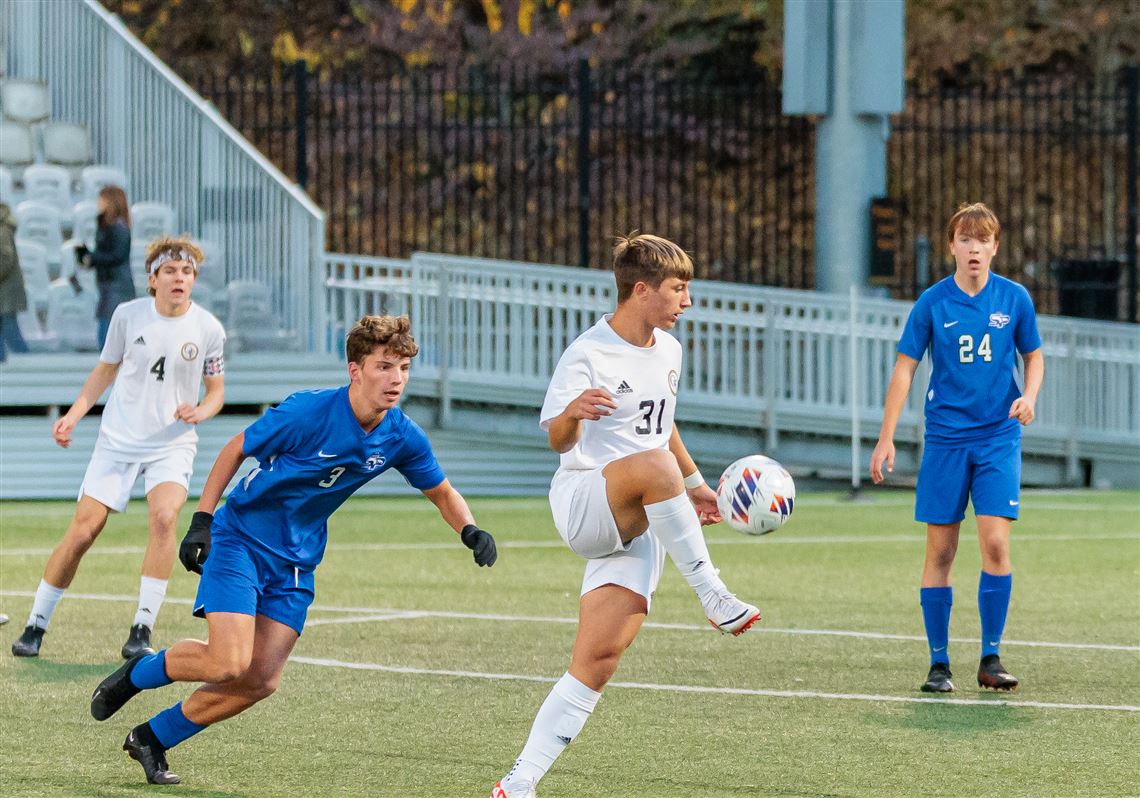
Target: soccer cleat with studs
{"x": 993, "y": 675}
{"x": 114, "y": 691}
{"x": 28, "y": 644}
{"x": 516, "y": 791}
{"x": 142, "y": 746}
{"x": 730, "y": 615}
{"x": 938, "y": 680}
{"x": 138, "y": 642}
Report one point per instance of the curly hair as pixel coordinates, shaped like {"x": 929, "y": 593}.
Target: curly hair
{"x": 373, "y": 332}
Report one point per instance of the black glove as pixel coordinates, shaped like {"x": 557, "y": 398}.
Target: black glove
{"x": 481, "y": 543}
{"x": 195, "y": 546}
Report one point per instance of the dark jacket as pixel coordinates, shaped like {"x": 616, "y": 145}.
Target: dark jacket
{"x": 111, "y": 259}
{"x": 13, "y": 297}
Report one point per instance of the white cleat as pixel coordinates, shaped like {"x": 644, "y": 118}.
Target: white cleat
{"x": 523, "y": 790}
{"x": 730, "y": 615}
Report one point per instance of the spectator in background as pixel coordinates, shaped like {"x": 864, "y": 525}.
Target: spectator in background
{"x": 112, "y": 256}
{"x": 13, "y": 298}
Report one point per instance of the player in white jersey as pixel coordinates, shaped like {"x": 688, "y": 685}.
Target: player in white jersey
{"x": 627, "y": 491}
{"x": 160, "y": 350}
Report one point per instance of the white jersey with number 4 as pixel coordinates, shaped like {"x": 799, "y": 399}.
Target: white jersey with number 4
{"x": 163, "y": 360}
{"x": 642, "y": 380}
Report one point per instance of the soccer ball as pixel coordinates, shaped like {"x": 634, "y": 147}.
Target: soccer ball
{"x": 755, "y": 495}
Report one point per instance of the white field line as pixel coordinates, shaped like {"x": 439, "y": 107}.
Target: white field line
{"x": 684, "y": 688}
{"x": 737, "y": 540}
{"x": 368, "y": 614}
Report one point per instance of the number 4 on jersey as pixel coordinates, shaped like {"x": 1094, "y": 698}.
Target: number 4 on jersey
{"x": 966, "y": 349}
{"x": 159, "y": 369}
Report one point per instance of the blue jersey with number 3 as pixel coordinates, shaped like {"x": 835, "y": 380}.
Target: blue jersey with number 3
{"x": 973, "y": 343}
{"x": 312, "y": 454}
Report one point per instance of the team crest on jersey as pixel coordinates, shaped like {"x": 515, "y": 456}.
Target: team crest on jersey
{"x": 189, "y": 350}
{"x": 674, "y": 378}
{"x": 999, "y": 320}
{"x": 374, "y": 461}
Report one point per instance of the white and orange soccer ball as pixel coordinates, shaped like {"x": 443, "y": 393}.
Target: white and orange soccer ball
{"x": 755, "y": 495}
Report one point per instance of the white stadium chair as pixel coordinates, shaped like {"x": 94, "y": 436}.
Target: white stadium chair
{"x": 40, "y": 223}
{"x": 85, "y": 221}
{"x": 67, "y": 144}
{"x": 17, "y": 146}
{"x": 71, "y": 317}
{"x": 149, "y": 220}
{"x": 37, "y": 338}
{"x": 49, "y": 184}
{"x": 34, "y": 265}
{"x": 26, "y": 101}
{"x": 251, "y": 323}
{"x": 93, "y": 178}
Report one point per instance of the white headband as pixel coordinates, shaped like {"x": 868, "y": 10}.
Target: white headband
{"x": 171, "y": 255}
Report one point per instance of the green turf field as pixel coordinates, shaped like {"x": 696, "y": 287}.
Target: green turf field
{"x": 419, "y": 674}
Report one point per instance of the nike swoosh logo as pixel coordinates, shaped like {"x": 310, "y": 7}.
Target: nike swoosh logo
{"x": 1013, "y": 503}
{"x": 321, "y": 453}
{"x": 948, "y": 324}
{"x": 936, "y": 650}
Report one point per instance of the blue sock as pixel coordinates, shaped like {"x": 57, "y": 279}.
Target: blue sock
{"x": 150, "y": 672}
{"x": 936, "y": 603}
{"x": 172, "y": 727}
{"x": 993, "y": 604}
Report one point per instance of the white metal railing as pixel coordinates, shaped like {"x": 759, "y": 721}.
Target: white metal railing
{"x": 777, "y": 359}
{"x": 175, "y": 147}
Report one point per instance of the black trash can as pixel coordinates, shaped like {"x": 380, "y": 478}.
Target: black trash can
{"x": 1089, "y": 288}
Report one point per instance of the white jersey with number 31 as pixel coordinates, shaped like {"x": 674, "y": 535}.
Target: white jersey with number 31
{"x": 163, "y": 360}
{"x": 642, "y": 380}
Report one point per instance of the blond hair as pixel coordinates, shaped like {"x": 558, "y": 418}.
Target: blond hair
{"x": 973, "y": 219}
{"x": 372, "y": 332}
{"x": 179, "y": 247}
{"x": 650, "y": 259}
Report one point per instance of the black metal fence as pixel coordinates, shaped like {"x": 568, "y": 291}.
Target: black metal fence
{"x": 506, "y": 163}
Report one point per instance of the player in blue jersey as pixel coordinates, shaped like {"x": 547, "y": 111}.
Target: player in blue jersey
{"x": 974, "y": 323}
{"x": 257, "y": 553}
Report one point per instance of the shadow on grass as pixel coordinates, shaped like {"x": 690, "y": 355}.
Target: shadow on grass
{"x": 953, "y": 720}
{"x": 142, "y": 788}
{"x": 44, "y": 671}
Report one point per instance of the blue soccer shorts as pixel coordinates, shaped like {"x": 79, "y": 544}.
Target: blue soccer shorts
{"x": 239, "y": 577}
{"x": 986, "y": 472}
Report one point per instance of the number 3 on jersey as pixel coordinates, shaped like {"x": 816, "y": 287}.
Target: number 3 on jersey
{"x": 648, "y": 406}
{"x": 966, "y": 349}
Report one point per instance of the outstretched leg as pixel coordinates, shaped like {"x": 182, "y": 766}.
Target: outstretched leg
{"x": 89, "y": 519}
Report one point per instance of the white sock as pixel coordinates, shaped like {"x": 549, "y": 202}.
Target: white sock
{"x": 151, "y": 593}
{"x": 559, "y": 719}
{"x": 676, "y": 524}
{"x": 47, "y": 596}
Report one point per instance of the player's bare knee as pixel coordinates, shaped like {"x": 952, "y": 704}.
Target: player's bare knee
{"x": 260, "y": 688}
{"x": 229, "y": 665}
{"x": 163, "y": 521}
{"x": 659, "y": 474}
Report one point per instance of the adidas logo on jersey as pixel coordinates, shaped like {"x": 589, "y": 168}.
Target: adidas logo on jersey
{"x": 140, "y": 340}
{"x": 624, "y": 387}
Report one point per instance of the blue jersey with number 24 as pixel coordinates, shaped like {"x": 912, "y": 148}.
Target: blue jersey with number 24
{"x": 973, "y": 343}
{"x": 312, "y": 454}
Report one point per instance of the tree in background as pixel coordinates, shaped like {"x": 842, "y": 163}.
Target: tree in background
{"x": 947, "y": 40}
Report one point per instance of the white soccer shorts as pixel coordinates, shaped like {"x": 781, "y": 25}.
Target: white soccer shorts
{"x": 109, "y": 478}
{"x": 583, "y": 518}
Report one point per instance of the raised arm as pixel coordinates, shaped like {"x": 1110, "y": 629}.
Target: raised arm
{"x": 899, "y": 387}
{"x": 457, "y": 515}
{"x": 565, "y": 429}
{"x": 97, "y": 382}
